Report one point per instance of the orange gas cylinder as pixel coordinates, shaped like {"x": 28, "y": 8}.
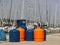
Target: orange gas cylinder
{"x": 39, "y": 34}
{"x": 22, "y": 32}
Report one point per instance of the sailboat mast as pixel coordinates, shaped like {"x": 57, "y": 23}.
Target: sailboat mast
{"x": 10, "y": 12}
{"x": 49, "y": 15}
{"x": 2, "y": 14}
{"x": 55, "y": 16}
{"x": 22, "y": 10}
{"x": 46, "y": 12}
{"x": 39, "y": 12}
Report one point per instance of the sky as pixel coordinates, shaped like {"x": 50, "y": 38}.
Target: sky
{"x": 30, "y": 9}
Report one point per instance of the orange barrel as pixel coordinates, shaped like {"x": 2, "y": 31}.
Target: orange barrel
{"x": 22, "y": 32}
{"x": 39, "y": 34}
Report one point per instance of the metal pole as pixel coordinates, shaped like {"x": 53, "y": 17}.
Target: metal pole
{"x": 46, "y": 12}
{"x": 49, "y": 15}
{"x": 39, "y": 11}
{"x": 2, "y": 14}
{"x": 57, "y": 21}
{"x": 35, "y": 12}
{"x": 22, "y": 10}
{"x": 10, "y": 12}
{"x": 55, "y": 16}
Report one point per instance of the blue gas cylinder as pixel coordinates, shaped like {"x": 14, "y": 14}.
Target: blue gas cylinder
{"x": 20, "y": 23}
{"x": 29, "y": 35}
{"x": 14, "y": 35}
{"x": 23, "y": 22}
{"x": 2, "y": 35}
{"x": 44, "y": 35}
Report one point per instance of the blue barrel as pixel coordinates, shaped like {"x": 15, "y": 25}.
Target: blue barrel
{"x": 29, "y": 35}
{"x": 44, "y": 35}
{"x": 14, "y": 35}
{"x": 23, "y": 22}
{"x": 20, "y": 23}
{"x": 2, "y": 35}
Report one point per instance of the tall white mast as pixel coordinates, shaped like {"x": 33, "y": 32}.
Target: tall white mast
{"x": 22, "y": 10}
{"x": 10, "y": 11}
{"x": 55, "y": 16}
{"x": 35, "y": 10}
{"x": 2, "y": 14}
{"x": 46, "y": 12}
{"x": 39, "y": 12}
{"x": 57, "y": 21}
{"x": 49, "y": 14}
